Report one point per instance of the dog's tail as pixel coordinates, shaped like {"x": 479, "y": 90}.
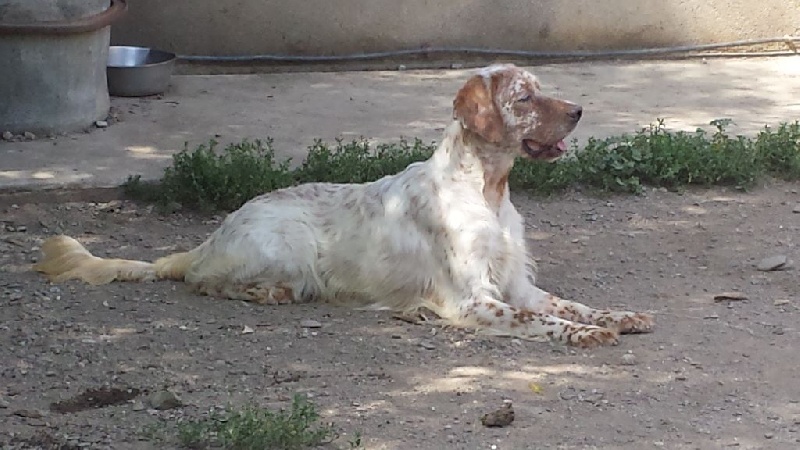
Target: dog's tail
{"x": 66, "y": 259}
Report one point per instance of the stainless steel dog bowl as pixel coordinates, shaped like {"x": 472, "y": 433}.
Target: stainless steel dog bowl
{"x": 138, "y": 71}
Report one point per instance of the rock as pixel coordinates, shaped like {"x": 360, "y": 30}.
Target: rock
{"x": 101, "y": 124}
{"x": 8, "y": 136}
{"x": 138, "y": 406}
{"x": 247, "y": 330}
{"x": 163, "y": 400}
{"x": 796, "y": 209}
{"x": 771, "y": 263}
{"x": 499, "y": 418}
{"x": 29, "y": 136}
{"x": 4, "y": 404}
{"x": 427, "y": 345}
{"x": 628, "y": 359}
{"x": 309, "y": 323}
{"x": 781, "y": 302}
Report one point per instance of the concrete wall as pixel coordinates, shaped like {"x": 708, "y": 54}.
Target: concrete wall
{"x": 229, "y": 27}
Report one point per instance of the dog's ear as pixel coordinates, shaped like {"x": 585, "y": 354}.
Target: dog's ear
{"x": 475, "y": 108}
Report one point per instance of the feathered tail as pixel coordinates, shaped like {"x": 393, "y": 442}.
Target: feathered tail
{"x": 66, "y": 259}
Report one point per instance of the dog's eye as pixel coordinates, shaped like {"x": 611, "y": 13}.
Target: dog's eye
{"x": 527, "y": 98}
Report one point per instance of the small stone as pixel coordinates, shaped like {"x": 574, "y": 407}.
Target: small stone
{"x": 8, "y": 136}
{"x": 768, "y": 435}
{"x": 310, "y": 323}
{"x": 499, "y": 418}
{"x": 781, "y": 302}
{"x": 4, "y": 404}
{"x": 456, "y": 66}
{"x": 401, "y": 67}
{"x": 427, "y": 345}
{"x": 796, "y": 209}
{"x": 138, "y": 406}
{"x": 247, "y": 330}
{"x": 628, "y": 359}
{"x": 771, "y": 263}
{"x": 163, "y": 400}
{"x": 101, "y": 124}
{"x": 29, "y": 136}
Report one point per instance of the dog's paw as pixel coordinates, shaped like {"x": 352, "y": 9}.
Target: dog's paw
{"x": 627, "y": 322}
{"x": 591, "y": 336}
{"x": 636, "y": 323}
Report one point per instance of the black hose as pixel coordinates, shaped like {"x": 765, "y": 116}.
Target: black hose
{"x": 789, "y": 40}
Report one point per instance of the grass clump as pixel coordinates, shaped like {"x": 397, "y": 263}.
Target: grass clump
{"x": 655, "y": 156}
{"x": 205, "y": 179}
{"x": 254, "y": 428}
{"x": 210, "y": 180}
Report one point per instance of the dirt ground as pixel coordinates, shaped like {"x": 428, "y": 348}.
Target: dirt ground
{"x": 714, "y": 374}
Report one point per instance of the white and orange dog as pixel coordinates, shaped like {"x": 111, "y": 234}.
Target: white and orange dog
{"x": 442, "y": 234}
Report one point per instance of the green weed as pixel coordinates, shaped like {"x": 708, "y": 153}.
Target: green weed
{"x": 207, "y": 179}
{"x": 251, "y": 428}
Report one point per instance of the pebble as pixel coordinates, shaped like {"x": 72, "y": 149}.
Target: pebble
{"x": 101, "y": 124}
{"x": 309, "y": 323}
{"x": 138, "y": 406}
{"x": 771, "y": 263}
{"x": 628, "y": 359}
{"x": 427, "y": 345}
{"x": 796, "y": 209}
{"x": 4, "y": 404}
{"x": 8, "y": 136}
{"x": 29, "y": 136}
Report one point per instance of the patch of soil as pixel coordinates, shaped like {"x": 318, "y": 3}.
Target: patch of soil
{"x": 95, "y": 398}
{"x": 715, "y": 373}
{"x": 40, "y": 441}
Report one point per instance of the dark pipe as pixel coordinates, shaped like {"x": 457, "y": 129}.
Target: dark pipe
{"x": 80, "y": 25}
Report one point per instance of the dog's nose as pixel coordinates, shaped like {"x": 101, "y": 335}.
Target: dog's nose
{"x": 575, "y": 113}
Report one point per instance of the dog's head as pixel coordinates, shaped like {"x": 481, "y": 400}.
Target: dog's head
{"x": 503, "y": 105}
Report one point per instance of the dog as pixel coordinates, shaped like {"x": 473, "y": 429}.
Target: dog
{"x": 442, "y": 234}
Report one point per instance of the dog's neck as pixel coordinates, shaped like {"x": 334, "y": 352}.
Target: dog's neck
{"x": 466, "y": 155}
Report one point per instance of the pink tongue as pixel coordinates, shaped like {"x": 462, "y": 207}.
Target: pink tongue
{"x": 561, "y": 145}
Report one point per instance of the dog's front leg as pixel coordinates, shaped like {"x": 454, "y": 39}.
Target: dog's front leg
{"x": 524, "y": 294}
{"x": 496, "y": 317}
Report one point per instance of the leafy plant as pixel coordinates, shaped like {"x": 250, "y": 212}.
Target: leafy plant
{"x": 208, "y": 179}
{"x": 254, "y": 428}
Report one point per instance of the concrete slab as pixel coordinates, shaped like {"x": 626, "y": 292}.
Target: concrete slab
{"x": 296, "y": 108}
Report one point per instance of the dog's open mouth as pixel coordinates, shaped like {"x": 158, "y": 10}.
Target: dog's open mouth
{"x": 535, "y": 150}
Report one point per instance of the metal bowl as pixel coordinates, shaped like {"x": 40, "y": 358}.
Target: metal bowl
{"x": 138, "y": 71}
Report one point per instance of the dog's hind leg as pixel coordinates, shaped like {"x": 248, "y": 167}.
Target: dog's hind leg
{"x": 261, "y": 293}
